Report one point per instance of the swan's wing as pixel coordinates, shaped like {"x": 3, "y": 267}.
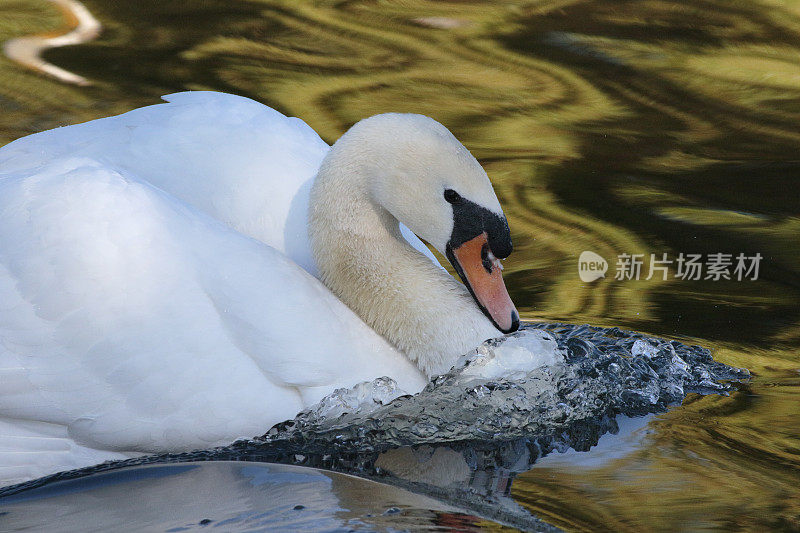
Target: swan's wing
{"x": 235, "y": 159}
{"x": 238, "y": 161}
{"x": 135, "y": 322}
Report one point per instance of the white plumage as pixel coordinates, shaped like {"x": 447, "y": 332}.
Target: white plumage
{"x": 147, "y": 302}
{"x": 158, "y": 289}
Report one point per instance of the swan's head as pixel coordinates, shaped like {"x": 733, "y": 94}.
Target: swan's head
{"x": 430, "y": 182}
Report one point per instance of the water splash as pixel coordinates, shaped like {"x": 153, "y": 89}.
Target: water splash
{"x": 547, "y": 382}
{"x": 545, "y": 388}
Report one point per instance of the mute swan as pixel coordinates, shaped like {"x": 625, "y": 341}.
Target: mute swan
{"x": 156, "y": 274}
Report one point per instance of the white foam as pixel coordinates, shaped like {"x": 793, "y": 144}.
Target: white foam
{"x": 515, "y": 357}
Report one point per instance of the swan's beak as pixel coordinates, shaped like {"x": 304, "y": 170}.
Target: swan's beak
{"x": 481, "y": 272}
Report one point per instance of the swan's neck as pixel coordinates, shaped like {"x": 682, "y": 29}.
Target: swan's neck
{"x": 396, "y": 290}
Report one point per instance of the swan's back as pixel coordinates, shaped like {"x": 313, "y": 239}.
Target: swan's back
{"x": 239, "y": 161}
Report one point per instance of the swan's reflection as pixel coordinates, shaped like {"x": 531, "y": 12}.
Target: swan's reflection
{"x": 492, "y": 473}
{"x": 250, "y": 495}
{"x": 229, "y": 495}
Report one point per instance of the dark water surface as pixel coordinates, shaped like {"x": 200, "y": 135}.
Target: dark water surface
{"x": 228, "y": 496}
{"x": 640, "y": 127}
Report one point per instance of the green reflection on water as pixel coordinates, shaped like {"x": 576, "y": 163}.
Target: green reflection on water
{"x": 639, "y": 126}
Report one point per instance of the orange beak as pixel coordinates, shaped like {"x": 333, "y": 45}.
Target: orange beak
{"x": 481, "y": 272}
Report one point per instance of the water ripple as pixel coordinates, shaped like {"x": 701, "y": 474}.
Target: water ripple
{"x": 27, "y": 51}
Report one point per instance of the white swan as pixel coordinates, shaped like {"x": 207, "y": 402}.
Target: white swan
{"x": 156, "y": 289}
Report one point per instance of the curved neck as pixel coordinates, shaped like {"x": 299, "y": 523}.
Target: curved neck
{"x": 396, "y": 290}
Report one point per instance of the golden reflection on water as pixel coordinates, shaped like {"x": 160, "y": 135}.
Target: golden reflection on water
{"x": 27, "y": 50}
{"x": 716, "y": 463}
{"x": 639, "y": 126}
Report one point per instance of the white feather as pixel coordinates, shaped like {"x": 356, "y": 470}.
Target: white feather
{"x": 158, "y": 290}
{"x": 150, "y": 294}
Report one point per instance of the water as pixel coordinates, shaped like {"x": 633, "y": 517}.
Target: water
{"x": 613, "y": 127}
{"x": 546, "y": 388}
{"x": 234, "y": 497}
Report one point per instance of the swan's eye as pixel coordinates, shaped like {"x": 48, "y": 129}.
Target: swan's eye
{"x": 451, "y": 196}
